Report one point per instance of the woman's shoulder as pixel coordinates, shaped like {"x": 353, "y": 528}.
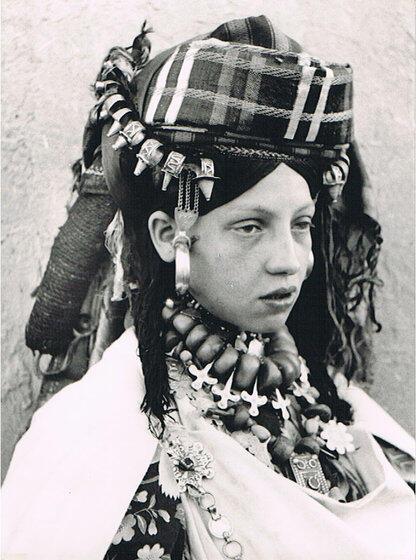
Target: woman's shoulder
{"x": 112, "y": 388}
{"x": 88, "y": 411}
{"x": 124, "y": 348}
{"x": 117, "y": 373}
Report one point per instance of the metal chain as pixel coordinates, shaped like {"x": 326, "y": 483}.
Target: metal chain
{"x": 219, "y": 525}
{"x": 180, "y": 192}
{"x": 196, "y": 199}
{"x": 190, "y": 463}
{"x": 188, "y": 190}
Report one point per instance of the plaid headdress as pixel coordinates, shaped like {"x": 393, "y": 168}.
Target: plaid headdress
{"x": 247, "y": 79}
{"x": 244, "y": 87}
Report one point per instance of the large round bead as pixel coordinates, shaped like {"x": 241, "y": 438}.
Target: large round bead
{"x": 172, "y": 338}
{"x": 246, "y": 372}
{"x": 196, "y": 337}
{"x": 226, "y": 361}
{"x": 308, "y": 444}
{"x": 282, "y": 449}
{"x": 210, "y": 349}
{"x": 289, "y": 365}
{"x": 241, "y": 417}
{"x": 321, "y": 410}
{"x": 168, "y": 313}
{"x": 183, "y": 323}
{"x": 270, "y": 376}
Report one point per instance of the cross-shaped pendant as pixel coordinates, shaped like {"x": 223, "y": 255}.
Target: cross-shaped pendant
{"x": 201, "y": 376}
{"x": 254, "y": 399}
{"x": 225, "y": 393}
{"x": 302, "y": 390}
{"x": 240, "y": 345}
{"x": 281, "y": 403}
{"x": 304, "y": 372}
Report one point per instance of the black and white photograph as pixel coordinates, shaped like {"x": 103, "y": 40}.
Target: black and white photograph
{"x": 208, "y": 316}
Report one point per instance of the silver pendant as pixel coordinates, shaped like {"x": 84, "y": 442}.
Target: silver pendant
{"x": 308, "y": 472}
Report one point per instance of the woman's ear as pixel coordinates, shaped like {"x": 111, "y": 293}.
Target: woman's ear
{"x": 162, "y": 229}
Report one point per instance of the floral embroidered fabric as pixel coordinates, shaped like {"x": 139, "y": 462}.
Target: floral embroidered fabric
{"x": 153, "y": 527}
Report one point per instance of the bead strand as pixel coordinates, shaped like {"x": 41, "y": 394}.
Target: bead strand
{"x": 241, "y": 380}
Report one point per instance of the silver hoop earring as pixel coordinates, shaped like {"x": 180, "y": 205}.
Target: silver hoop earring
{"x": 181, "y": 244}
{"x": 185, "y": 218}
{"x": 309, "y": 267}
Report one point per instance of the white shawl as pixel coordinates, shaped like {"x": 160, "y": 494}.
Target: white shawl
{"x": 75, "y": 471}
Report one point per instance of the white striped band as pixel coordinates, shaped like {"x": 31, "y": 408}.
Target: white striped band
{"x": 304, "y": 87}
{"x": 181, "y": 85}
{"x": 320, "y": 107}
{"x": 160, "y": 85}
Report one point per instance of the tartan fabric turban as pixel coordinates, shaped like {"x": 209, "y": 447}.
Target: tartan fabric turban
{"x": 249, "y": 80}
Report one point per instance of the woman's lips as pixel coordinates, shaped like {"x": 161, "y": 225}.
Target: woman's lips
{"x": 280, "y": 293}
{"x": 281, "y": 299}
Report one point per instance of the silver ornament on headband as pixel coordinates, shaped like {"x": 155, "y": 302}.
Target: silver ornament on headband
{"x": 149, "y": 156}
{"x": 120, "y": 113}
{"x": 114, "y": 129}
{"x": 172, "y": 168}
{"x": 336, "y": 176}
{"x": 112, "y": 100}
{"x": 132, "y": 134}
{"x": 205, "y": 177}
{"x": 186, "y": 215}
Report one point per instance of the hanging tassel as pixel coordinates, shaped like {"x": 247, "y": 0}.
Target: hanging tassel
{"x": 141, "y": 46}
{"x": 114, "y": 235}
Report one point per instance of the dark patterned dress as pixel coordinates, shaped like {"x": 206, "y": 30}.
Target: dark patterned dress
{"x": 153, "y": 527}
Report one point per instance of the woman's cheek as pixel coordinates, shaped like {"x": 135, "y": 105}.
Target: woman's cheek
{"x": 303, "y": 254}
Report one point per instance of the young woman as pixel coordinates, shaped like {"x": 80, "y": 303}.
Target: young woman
{"x": 206, "y": 431}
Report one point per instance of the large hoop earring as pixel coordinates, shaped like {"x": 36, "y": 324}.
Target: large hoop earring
{"x": 181, "y": 244}
{"x": 309, "y": 267}
{"x": 185, "y": 217}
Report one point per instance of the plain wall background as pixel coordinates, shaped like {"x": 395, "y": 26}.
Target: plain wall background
{"x": 52, "y": 50}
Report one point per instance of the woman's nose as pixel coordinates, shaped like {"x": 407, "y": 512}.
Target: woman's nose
{"x": 282, "y": 257}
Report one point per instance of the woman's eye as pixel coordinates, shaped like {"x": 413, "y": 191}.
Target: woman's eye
{"x": 248, "y": 229}
{"x": 303, "y": 225}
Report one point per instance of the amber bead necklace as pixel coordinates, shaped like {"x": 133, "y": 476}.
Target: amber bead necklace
{"x": 261, "y": 394}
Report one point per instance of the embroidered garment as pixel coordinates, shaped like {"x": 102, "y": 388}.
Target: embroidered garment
{"x": 153, "y": 526}
{"x": 65, "y": 496}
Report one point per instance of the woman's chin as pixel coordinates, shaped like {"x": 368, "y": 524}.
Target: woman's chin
{"x": 265, "y": 325}
{"x": 266, "y": 319}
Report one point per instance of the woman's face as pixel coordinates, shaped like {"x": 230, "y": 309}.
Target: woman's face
{"x": 250, "y": 255}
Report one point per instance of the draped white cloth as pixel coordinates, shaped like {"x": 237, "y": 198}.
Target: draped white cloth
{"x": 75, "y": 472}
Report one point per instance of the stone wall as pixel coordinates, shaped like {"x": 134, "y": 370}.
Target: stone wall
{"x": 52, "y": 50}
